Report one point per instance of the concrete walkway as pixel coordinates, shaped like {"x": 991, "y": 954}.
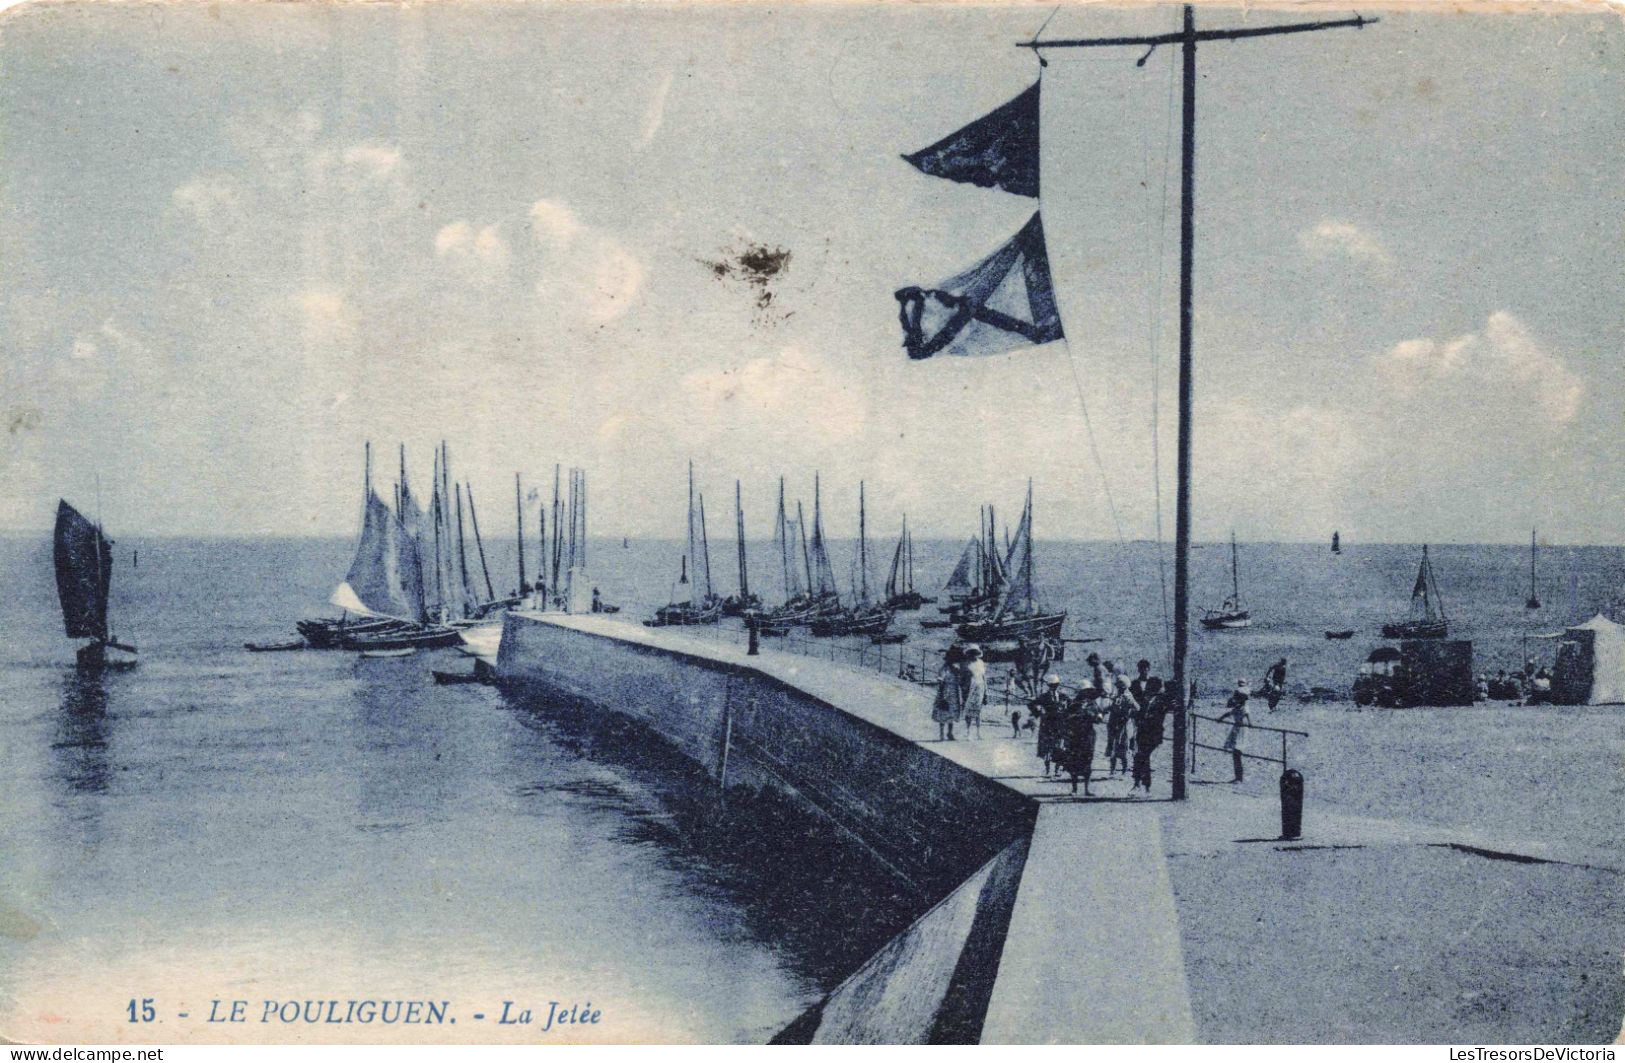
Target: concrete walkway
{"x": 1093, "y": 953}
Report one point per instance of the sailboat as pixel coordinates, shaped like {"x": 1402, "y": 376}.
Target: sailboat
{"x": 900, "y": 592}
{"x": 744, "y": 602}
{"x": 1532, "y": 602}
{"x": 1231, "y": 614}
{"x": 866, "y": 616}
{"x": 386, "y": 581}
{"x": 700, "y": 607}
{"x": 1427, "y": 609}
{"x": 1017, "y": 616}
{"x": 84, "y": 579}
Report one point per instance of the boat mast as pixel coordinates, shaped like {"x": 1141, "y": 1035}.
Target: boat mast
{"x": 863, "y": 551}
{"x": 439, "y": 568}
{"x": 1235, "y": 572}
{"x": 784, "y": 542}
{"x": 519, "y": 515}
{"x": 474, "y": 518}
{"x": 705, "y": 549}
{"x": 1186, "y": 38}
{"x": 1534, "y": 601}
{"x": 541, "y": 560}
{"x": 1027, "y": 560}
{"x": 691, "y": 556}
{"x": 806, "y": 559}
{"x": 739, "y": 532}
{"x": 558, "y": 529}
{"x": 462, "y": 545}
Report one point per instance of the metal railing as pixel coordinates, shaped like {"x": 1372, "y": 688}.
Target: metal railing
{"x": 1282, "y": 731}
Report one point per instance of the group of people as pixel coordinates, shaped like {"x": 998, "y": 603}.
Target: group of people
{"x": 1133, "y": 711}
{"x": 961, "y": 692}
{"x": 1532, "y": 685}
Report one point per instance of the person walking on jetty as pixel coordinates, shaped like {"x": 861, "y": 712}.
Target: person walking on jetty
{"x": 1275, "y": 683}
{"x": 1148, "y": 730}
{"x": 1048, "y": 708}
{"x": 1119, "y": 708}
{"x": 1076, "y": 752}
{"x": 975, "y": 689}
{"x": 950, "y": 698}
{"x": 1236, "y": 713}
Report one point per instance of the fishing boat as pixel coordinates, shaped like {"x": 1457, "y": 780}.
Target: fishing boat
{"x": 795, "y": 570}
{"x": 1346, "y": 633}
{"x": 327, "y": 634}
{"x": 84, "y": 579}
{"x": 866, "y": 616}
{"x": 1231, "y": 614}
{"x": 275, "y": 647}
{"x": 700, "y": 606}
{"x": 900, "y": 592}
{"x": 744, "y": 603}
{"x": 386, "y": 581}
{"x": 1018, "y": 617}
{"x": 1427, "y": 620}
{"x": 1532, "y": 602}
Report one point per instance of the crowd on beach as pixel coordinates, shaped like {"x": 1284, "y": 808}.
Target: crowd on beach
{"x": 1133, "y": 710}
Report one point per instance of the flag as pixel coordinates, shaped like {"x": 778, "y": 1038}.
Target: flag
{"x": 1000, "y": 149}
{"x": 1003, "y": 302}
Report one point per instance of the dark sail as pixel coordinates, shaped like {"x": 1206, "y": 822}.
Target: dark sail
{"x": 999, "y": 149}
{"x": 384, "y": 577}
{"x": 84, "y": 574}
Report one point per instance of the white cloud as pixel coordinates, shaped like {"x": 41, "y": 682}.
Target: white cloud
{"x": 793, "y": 390}
{"x": 1343, "y": 238}
{"x": 481, "y": 253}
{"x": 1500, "y": 360}
{"x": 585, "y": 273}
{"x": 655, "y": 113}
{"x": 373, "y": 160}
{"x": 206, "y": 197}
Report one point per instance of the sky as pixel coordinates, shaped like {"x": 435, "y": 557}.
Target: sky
{"x": 240, "y": 241}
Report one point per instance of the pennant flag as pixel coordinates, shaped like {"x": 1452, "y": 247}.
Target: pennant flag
{"x": 1000, "y": 149}
{"x": 1003, "y": 302}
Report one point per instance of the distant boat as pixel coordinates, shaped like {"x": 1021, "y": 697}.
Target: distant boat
{"x": 900, "y": 592}
{"x": 795, "y": 571}
{"x": 1532, "y": 602}
{"x": 1231, "y": 614}
{"x": 1017, "y": 617}
{"x": 275, "y": 647}
{"x": 84, "y": 579}
{"x": 1346, "y": 633}
{"x": 866, "y": 616}
{"x": 744, "y": 602}
{"x": 701, "y": 606}
{"x": 1337, "y": 543}
{"x": 1427, "y": 609}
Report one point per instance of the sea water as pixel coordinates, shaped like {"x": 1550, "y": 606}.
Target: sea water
{"x": 219, "y": 825}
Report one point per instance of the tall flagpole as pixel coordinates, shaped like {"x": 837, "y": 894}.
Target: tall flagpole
{"x": 1186, "y": 38}
{"x": 1182, "y": 503}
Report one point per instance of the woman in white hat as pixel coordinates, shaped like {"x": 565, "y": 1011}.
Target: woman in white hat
{"x": 975, "y": 689}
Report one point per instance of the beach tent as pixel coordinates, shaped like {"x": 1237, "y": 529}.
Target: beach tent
{"x": 1590, "y": 667}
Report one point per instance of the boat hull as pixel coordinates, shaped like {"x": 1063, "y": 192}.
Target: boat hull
{"x": 1416, "y": 629}
{"x": 1227, "y": 621}
{"x": 409, "y": 639}
{"x": 1042, "y": 626}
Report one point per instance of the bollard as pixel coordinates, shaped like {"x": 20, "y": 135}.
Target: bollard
{"x": 754, "y": 646}
{"x": 1291, "y": 804}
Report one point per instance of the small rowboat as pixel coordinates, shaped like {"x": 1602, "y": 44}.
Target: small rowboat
{"x": 275, "y": 647}
{"x": 1348, "y": 634}
{"x": 453, "y": 678}
{"x": 406, "y": 652}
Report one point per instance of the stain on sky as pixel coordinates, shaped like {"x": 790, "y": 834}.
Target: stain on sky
{"x": 757, "y": 266}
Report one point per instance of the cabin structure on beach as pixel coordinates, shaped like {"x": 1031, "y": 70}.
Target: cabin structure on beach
{"x": 1590, "y": 667}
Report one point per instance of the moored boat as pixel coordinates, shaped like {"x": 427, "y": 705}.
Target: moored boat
{"x": 1231, "y": 614}
{"x": 701, "y": 604}
{"x": 1018, "y": 616}
{"x": 1427, "y": 620}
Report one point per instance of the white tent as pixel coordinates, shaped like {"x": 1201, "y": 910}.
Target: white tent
{"x": 1590, "y": 667}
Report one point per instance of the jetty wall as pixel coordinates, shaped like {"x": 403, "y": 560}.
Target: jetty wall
{"x": 931, "y": 820}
